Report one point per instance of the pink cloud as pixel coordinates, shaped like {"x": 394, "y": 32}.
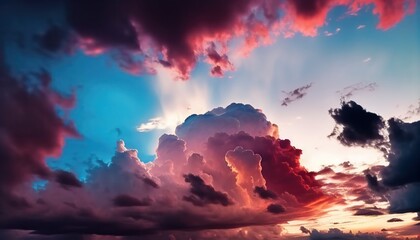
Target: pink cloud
{"x": 232, "y": 179}
{"x": 177, "y": 34}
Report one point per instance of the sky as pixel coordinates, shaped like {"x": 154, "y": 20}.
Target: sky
{"x": 183, "y": 119}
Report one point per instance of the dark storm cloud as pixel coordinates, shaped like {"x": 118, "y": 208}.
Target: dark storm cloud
{"x": 404, "y": 157}
{"x": 295, "y": 95}
{"x": 125, "y": 200}
{"x": 67, "y": 179}
{"x": 368, "y": 212}
{"x": 275, "y": 208}
{"x": 265, "y": 193}
{"x": 374, "y": 184}
{"x": 304, "y": 230}
{"x": 395, "y": 220}
{"x": 359, "y": 127}
{"x": 30, "y": 127}
{"x": 400, "y": 181}
{"x": 204, "y": 194}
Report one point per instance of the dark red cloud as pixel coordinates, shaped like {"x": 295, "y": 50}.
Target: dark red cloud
{"x": 307, "y": 16}
{"x": 178, "y": 34}
{"x": 279, "y": 161}
{"x": 30, "y": 127}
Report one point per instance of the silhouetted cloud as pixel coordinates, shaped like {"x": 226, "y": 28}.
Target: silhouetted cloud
{"x": 264, "y": 193}
{"x": 304, "y": 230}
{"x": 275, "y": 208}
{"x": 400, "y": 178}
{"x": 368, "y": 212}
{"x": 359, "y": 127}
{"x": 67, "y": 179}
{"x": 395, "y": 220}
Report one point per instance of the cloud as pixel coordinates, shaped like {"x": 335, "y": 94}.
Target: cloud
{"x": 275, "y": 208}
{"x": 54, "y": 40}
{"x": 359, "y": 127}
{"x": 335, "y": 233}
{"x": 230, "y": 180}
{"x": 395, "y": 220}
{"x": 349, "y": 91}
{"x": 413, "y": 110}
{"x": 204, "y": 194}
{"x": 67, "y": 179}
{"x": 125, "y": 200}
{"x": 152, "y": 124}
{"x": 404, "y": 157}
{"x": 280, "y": 164}
{"x": 400, "y": 178}
{"x": 264, "y": 193}
{"x": 178, "y": 34}
{"x": 368, "y": 212}
{"x": 360, "y": 27}
{"x": 234, "y": 118}
{"x": 405, "y": 198}
{"x": 31, "y": 131}
{"x": 304, "y": 230}
{"x": 374, "y": 184}
{"x": 295, "y": 95}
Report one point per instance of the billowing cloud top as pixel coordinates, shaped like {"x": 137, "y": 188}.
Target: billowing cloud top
{"x": 224, "y": 169}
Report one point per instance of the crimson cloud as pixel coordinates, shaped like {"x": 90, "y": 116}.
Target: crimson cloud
{"x": 142, "y": 35}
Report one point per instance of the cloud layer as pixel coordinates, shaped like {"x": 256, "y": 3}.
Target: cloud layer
{"x": 223, "y": 170}
{"x": 141, "y": 35}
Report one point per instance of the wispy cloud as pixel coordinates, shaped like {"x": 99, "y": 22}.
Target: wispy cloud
{"x": 366, "y": 60}
{"x": 413, "y": 110}
{"x": 360, "y": 27}
{"x": 349, "y": 91}
{"x": 295, "y": 95}
{"x": 153, "y": 124}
